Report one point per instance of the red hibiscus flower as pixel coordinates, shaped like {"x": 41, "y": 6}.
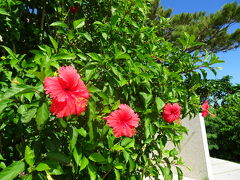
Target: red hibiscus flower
{"x": 68, "y": 92}
{"x": 171, "y": 112}
{"x": 123, "y": 121}
{"x": 205, "y": 107}
{"x": 73, "y": 10}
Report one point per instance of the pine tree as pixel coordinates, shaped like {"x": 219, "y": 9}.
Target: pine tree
{"x": 212, "y": 29}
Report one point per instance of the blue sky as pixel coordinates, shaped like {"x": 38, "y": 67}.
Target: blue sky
{"x": 232, "y": 58}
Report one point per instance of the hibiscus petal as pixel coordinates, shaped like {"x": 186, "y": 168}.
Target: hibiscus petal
{"x": 80, "y": 90}
{"x": 167, "y": 109}
{"x": 169, "y": 118}
{"x": 60, "y": 109}
{"x": 80, "y": 106}
{"x": 204, "y": 113}
{"x": 53, "y": 87}
{"x": 69, "y": 76}
{"x": 205, "y": 106}
{"x": 68, "y": 91}
{"x": 69, "y": 107}
{"x": 171, "y": 112}
{"x": 176, "y": 108}
{"x": 123, "y": 121}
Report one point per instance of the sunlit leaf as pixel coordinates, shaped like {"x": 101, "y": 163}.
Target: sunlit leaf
{"x": 12, "y": 171}
{"x": 29, "y": 156}
{"x": 42, "y": 115}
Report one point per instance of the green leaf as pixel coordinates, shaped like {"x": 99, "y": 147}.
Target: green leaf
{"x": 28, "y": 115}
{"x": 117, "y": 174}
{"x": 214, "y": 71}
{"x": 4, "y": 104}
{"x": 77, "y": 154}
{"x": 27, "y": 177}
{"x": 146, "y": 98}
{"x": 42, "y": 116}
{"x": 1, "y": 158}
{"x": 83, "y": 163}
{"x": 54, "y": 43}
{"x": 117, "y": 147}
{"x": 139, "y": 3}
{"x": 63, "y": 123}
{"x": 104, "y": 35}
{"x": 117, "y": 73}
{"x": 82, "y": 132}
{"x": 87, "y": 36}
{"x": 79, "y": 23}
{"x": 126, "y": 141}
{"x": 29, "y": 96}
{"x": 94, "y": 56}
{"x": 173, "y": 152}
{"x": 4, "y": 12}
{"x": 119, "y": 166}
{"x": 105, "y": 130}
{"x": 180, "y": 173}
{"x": 2, "y": 165}
{"x": 42, "y": 167}
{"x": 22, "y": 108}
{"x": 92, "y": 115}
{"x": 29, "y": 156}
{"x": 97, "y": 157}
{"x": 160, "y": 104}
{"x": 55, "y": 168}
{"x": 93, "y": 89}
{"x": 90, "y": 72}
{"x": 92, "y": 171}
{"x": 82, "y": 56}
{"x": 10, "y": 52}
{"x": 114, "y": 20}
{"x": 64, "y": 56}
{"x": 60, "y": 24}
{"x": 58, "y": 156}
{"x": 126, "y": 155}
{"x": 146, "y": 125}
{"x": 40, "y": 75}
{"x": 131, "y": 164}
{"x": 12, "y": 171}
{"x": 74, "y": 138}
{"x": 122, "y": 55}
{"x": 17, "y": 90}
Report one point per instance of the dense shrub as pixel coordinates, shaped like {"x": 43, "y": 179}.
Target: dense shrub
{"x": 223, "y": 129}
{"x": 122, "y": 60}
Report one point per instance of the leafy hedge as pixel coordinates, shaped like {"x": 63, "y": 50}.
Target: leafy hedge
{"x": 223, "y": 129}
{"x": 122, "y": 60}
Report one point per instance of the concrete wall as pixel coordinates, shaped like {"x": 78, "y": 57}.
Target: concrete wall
{"x": 194, "y": 150}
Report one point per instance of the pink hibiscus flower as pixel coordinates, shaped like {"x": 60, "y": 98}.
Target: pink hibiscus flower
{"x": 205, "y": 107}
{"x": 171, "y": 112}
{"x": 68, "y": 92}
{"x": 123, "y": 121}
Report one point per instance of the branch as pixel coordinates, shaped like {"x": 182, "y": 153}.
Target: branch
{"x": 43, "y": 15}
{"x": 105, "y": 175}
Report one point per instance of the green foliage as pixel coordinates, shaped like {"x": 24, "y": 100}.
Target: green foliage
{"x": 216, "y": 90}
{"x": 12, "y": 171}
{"x": 122, "y": 60}
{"x": 223, "y": 130}
{"x": 212, "y": 30}
{"x": 222, "y": 125}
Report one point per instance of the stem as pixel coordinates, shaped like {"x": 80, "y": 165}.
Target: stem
{"x": 1, "y": 144}
{"x": 192, "y": 70}
{"x": 105, "y": 175}
{"x": 42, "y": 19}
{"x": 14, "y": 47}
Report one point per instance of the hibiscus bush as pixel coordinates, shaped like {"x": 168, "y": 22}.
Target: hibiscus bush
{"x": 99, "y": 95}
